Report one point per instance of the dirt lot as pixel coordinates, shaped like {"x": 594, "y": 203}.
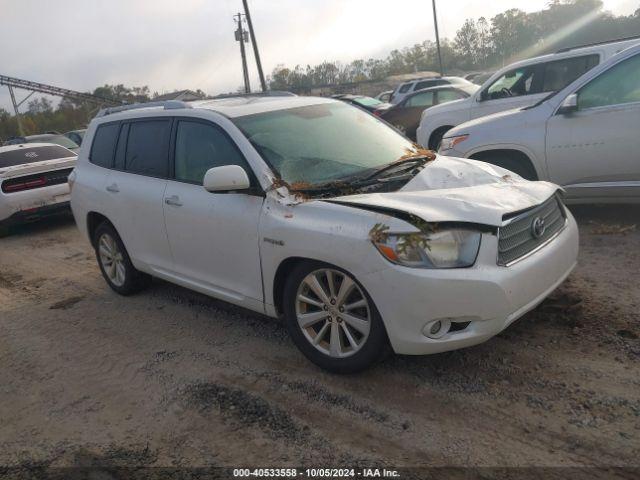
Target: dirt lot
{"x": 172, "y": 378}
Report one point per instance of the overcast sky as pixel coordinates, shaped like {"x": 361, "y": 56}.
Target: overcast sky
{"x": 176, "y": 44}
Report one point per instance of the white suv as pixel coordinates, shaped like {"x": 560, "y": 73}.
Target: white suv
{"x": 584, "y": 137}
{"x": 314, "y": 210}
{"x": 517, "y": 85}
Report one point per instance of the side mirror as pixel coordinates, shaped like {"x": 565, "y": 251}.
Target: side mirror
{"x": 225, "y": 179}
{"x": 569, "y": 105}
{"x": 482, "y": 96}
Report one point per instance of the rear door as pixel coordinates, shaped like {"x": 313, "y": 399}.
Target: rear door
{"x": 213, "y": 236}
{"x": 406, "y": 115}
{"x": 136, "y": 188}
{"x": 594, "y": 151}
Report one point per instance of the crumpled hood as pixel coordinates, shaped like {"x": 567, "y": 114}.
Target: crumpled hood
{"x": 460, "y": 190}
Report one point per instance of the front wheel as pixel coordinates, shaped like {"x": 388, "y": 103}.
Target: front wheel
{"x": 332, "y": 319}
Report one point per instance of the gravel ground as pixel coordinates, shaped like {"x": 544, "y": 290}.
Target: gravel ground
{"x": 175, "y": 379}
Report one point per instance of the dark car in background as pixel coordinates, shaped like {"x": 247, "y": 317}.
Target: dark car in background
{"x": 45, "y": 138}
{"x": 370, "y": 104}
{"x": 405, "y": 116}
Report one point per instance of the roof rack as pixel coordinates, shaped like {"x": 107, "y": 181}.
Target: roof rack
{"x": 268, "y": 93}
{"x": 167, "y": 105}
{"x": 615, "y": 40}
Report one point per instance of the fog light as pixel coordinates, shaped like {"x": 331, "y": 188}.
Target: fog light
{"x": 437, "y": 328}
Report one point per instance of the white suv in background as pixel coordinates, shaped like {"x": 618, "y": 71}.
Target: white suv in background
{"x": 584, "y": 137}
{"x": 517, "y": 85}
{"x": 314, "y": 210}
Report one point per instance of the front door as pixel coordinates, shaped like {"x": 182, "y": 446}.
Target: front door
{"x": 213, "y": 236}
{"x": 594, "y": 151}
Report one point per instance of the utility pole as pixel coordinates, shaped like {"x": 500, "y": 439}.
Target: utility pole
{"x": 15, "y": 109}
{"x": 254, "y": 42}
{"x": 241, "y": 36}
{"x": 435, "y": 21}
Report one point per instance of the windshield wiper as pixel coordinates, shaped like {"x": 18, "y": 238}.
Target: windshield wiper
{"x": 416, "y": 162}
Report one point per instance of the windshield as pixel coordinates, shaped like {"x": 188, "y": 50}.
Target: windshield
{"x": 322, "y": 143}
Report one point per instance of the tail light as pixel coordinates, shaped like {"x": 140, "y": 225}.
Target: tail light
{"x": 378, "y": 113}
{"x": 29, "y": 182}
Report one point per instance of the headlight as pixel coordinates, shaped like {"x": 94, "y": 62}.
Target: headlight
{"x": 454, "y": 248}
{"x": 450, "y": 142}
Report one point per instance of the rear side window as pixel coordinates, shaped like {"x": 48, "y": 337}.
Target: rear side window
{"x": 424, "y": 99}
{"x": 561, "y": 73}
{"x": 430, "y": 83}
{"x": 148, "y": 148}
{"x": 26, "y": 154}
{"x": 104, "y": 144}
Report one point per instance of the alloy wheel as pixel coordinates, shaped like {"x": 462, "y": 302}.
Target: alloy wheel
{"x": 112, "y": 259}
{"x": 333, "y": 312}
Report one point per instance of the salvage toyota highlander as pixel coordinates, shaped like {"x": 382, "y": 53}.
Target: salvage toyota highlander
{"x": 316, "y": 211}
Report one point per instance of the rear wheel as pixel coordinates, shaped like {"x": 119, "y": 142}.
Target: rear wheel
{"x": 115, "y": 264}
{"x": 332, "y": 319}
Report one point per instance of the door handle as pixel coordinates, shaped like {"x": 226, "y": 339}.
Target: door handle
{"x": 173, "y": 201}
{"x": 113, "y": 188}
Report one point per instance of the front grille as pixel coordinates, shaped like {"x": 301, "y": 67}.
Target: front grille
{"x": 519, "y": 237}
{"x": 38, "y": 180}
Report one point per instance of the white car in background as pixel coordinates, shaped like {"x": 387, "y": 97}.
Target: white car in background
{"x": 33, "y": 182}
{"x": 517, "y": 85}
{"x": 584, "y": 137}
{"x": 314, "y": 210}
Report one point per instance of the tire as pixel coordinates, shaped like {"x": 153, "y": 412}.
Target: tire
{"x": 519, "y": 164}
{"x": 358, "y": 342}
{"x": 436, "y": 138}
{"x": 123, "y": 278}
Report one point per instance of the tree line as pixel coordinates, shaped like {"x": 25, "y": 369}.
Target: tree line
{"x": 479, "y": 45}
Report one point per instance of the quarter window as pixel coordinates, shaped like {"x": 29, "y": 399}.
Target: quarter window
{"x": 618, "y": 85}
{"x": 201, "y": 146}
{"x": 104, "y": 143}
{"x": 148, "y": 148}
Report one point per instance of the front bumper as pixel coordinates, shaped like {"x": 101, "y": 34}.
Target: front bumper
{"x": 488, "y": 296}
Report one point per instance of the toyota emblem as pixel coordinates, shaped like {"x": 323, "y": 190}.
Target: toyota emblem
{"x": 538, "y": 227}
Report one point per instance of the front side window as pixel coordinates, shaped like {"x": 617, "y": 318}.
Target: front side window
{"x": 104, "y": 144}
{"x": 514, "y": 83}
{"x": 561, "y": 73}
{"x": 618, "y": 85}
{"x": 445, "y": 96}
{"x": 201, "y": 146}
{"x": 424, "y": 99}
{"x": 148, "y": 148}
{"x": 405, "y": 88}
{"x": 322, "y": 143}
